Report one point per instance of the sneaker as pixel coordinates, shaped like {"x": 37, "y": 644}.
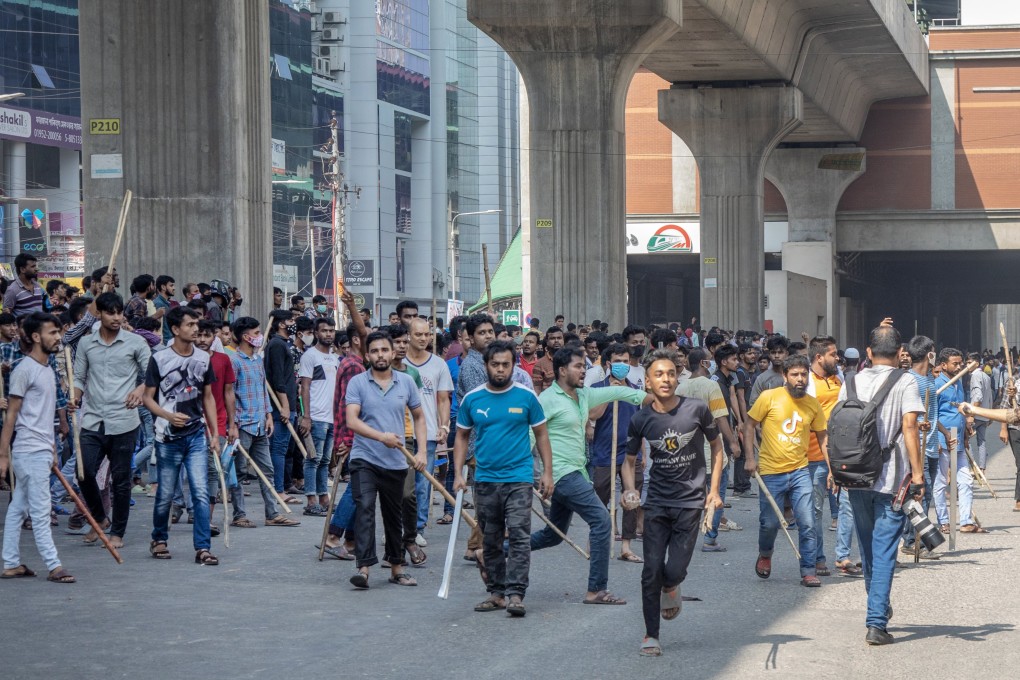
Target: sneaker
{"x": 730, "y": 525}
{"x": 877, "y": 636}
{"x": 315, "y": 511}
{"x": 749, "y": 493}
{"x": 137, "y": 490}
{"x": 420, "y": 540}
{"x": 832, "y": 527}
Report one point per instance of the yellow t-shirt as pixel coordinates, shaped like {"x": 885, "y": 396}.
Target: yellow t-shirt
{"x": 827, "y": 394}
{"x": 785, "y": 425}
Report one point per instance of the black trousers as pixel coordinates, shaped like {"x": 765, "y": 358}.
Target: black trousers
{"x": 119, "y": 449}
{"x": 367, "y": 482}
{"x": 602, "y": 481}
{"x": 670, "y": 537}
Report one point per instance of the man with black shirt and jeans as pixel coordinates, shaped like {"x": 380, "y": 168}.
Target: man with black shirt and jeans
{"x": 178, "y": 391}
{"x": 676, "y": 428}
{"x": 279, "y": 365}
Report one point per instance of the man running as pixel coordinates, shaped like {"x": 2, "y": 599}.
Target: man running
{"x": 787, "y": 416}
{"x": 566, "y": 403}
{"x": 499, "y": 414}
{"x": 676, "y": 428}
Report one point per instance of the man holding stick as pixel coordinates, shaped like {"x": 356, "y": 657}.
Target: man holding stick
{"x": 254, "y": 420}
{"x": 676, "y": 428}
{"x": 566, "y": 403}
{"x": 282, "y": 379}
{"x": 33, "y": 396}
{"x": 787, "y": 415}
{"x": 878, "y": 526}
{"x": 951, "y": 361}
{"x": 500, "y": 414}
{"x": 106, "y": 369}
{"x": 376, "y": 401}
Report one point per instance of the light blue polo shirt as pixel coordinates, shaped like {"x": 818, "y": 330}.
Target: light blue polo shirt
{"x": 382, "y": 411}
{"x": 502, "y": 422}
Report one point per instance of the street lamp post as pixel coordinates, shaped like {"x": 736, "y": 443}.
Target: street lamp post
{"x": 453, "y": 249}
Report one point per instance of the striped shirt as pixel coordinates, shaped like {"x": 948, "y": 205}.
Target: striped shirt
{"x": 21, "y": 301}
{"x": 252, "y": 399}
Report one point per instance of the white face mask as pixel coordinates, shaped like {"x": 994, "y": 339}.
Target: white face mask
{"x": 308, "y": 339}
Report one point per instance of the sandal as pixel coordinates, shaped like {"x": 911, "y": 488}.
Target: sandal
{"x": 339, "y": 552}
{"x": 402, "y": 579}
{"x": 605, "y": 597}
{"x": 944, "y": 528}
{"x": 281, "y": 521}
{"x": 418, "y": 556}
{"x": 360, "y": 581}
{"x": 243, "y": 523}
{"x": 650, "y": 647}
{"x": 810, "y": 581}
{"x": 847, "y": 568}
{"x": 973, "y": 529}
{"x": 206, "y": 558}
{"x": 445, "y": 519}
{"x": 515, "y": 607}
{"x": 822, "y": 570}
{"x": 630, "y": 557}
{"x": 670, "y": 603}
{"x": 159, "y": 550}
{"x": 490, "y": 605}
{"x": 763, "y": 567}
{"x": 61, "y": 575}
{"x": 21, "y": 571}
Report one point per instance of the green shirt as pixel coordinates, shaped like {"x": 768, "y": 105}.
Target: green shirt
{"x": 566, "y": 418}
{"x": 416, "y": 376}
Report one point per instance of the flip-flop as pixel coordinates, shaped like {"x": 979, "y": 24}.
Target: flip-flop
{"x": 402, "y": 579}
{"x": 339, "y": 552}
{"x": 24, "y": 573}
{"x": 670, "y": 600}
{"x": 444, "y": 520}
{"x": 650, "y": 647}
{"x": 973, "y": 529}
{"x": 61, "y": 576}
{"x": 605, "y": 597}
{"x": 489, "y": 605}
{"x": 630, "y": 557}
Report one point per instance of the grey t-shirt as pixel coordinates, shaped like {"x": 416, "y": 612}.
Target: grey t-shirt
{"x": 766, "y": 380}
{"x": 981, "y": 391}
{"x": 903, "y": 398}
{"x": 36, "y": 384}
{"x": 382, "y": 411}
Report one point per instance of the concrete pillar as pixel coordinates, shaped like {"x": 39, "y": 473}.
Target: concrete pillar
{"x": 812, "y": 195}
{"x": 577, "y": 58}
{"x": 190, "y": 84}
{"x": 731, "y": 132}
{"x": 943, "y": 135}
{"x": 15, "y": 160}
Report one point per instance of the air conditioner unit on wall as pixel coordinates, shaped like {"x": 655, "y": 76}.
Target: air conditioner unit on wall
{"x": 322, "y": 66}
{"x": 333, "y": 18}
{"x": 332, "y": 35}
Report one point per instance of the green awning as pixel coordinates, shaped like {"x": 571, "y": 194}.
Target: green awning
{"x": 507, "y": 280}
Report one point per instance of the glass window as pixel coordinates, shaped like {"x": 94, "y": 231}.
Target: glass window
{"x": 402, "y": 142}
{"x": 403, "y": 196}
{"x": 282, "y": 66}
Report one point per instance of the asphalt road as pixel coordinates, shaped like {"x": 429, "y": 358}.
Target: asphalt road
{"x": 272, "y": 610}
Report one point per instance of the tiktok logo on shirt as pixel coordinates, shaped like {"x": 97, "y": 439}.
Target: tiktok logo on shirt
{"x": 790, "y": 426}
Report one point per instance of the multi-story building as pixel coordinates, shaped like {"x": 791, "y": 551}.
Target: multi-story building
{"x": 40, "y": 134}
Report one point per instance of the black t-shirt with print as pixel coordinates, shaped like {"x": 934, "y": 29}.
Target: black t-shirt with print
{"x": 180, "y": 382}
{"x": 677, "y": 441}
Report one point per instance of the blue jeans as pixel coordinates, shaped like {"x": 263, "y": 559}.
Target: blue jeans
{"x": 712, "y": 535}
{"x": 844, "y": 527}
{"x": 317, "y": 469}
{"x": 819, "y": 472}
{"x": 422, "y": 487}
{"x": 878, "y": 533}
{"x": 343, "y": 514}
{"x": 278, "y": 448}
{"x": 574, "y": 493}
{"x": 192, "y": 453}
{"x": 794, "y": 486}
{"x": 146, "y": 437}
{"x": 981, "y": 450}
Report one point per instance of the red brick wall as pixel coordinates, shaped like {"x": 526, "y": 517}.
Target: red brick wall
{"x": 649, "y": 148}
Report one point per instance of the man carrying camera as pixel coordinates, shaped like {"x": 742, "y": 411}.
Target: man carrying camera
{"x": 878, "y": 525}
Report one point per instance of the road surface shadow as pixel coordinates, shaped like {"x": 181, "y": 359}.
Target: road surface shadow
{"x": 776, "y": 640}
{"x": 968, "y": 633}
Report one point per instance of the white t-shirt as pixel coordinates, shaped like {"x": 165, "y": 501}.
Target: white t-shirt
{"x": 36, "y": 384}
{"x": 435, "y": 378}
{"x": 321, "y": 368}
{"x": 903, "y": 398}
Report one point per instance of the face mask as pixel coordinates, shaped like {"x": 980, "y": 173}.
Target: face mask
{"x": 290, "y": 328}
{"x": 308, "y": 338}
{"x": 637, "y": 351}
{"x": 321, "y": 309}
{"x": 619, "y": 370}
{"x": 255, "y": 341}
{"x": 712, "y": 367}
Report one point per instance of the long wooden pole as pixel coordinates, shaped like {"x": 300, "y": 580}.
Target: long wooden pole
{"x": 332, "y": 505}
{"x": 442, "y": 489}
{"x": 75, "y": 431}
{"x": 125, "y": 208}
{"x": 488, "y": 288}
{"x": 581, "y": 551}
{"x": 612, "y": 478}
{"x": 1009, "y": 362}
{"x": 286, "y": 421}
{"x": 959, "y": 376}
{"x": 953, "y": 508}
{"x": 224, "y": 495}
{"x": 776, "y": 509}
{"x": 258, "y": 471}
{"x": 88, "y": 516}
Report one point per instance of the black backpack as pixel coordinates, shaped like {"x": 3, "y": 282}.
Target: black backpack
{"x": 856, "y": 456}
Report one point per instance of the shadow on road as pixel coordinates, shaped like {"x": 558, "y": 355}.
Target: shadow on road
{"x": 776, "y": 640}
{"x": 967, "y": 633}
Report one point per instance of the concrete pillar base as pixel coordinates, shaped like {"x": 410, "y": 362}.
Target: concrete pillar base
{"x": 577, "y": 59}
{"x": 731, "y": 132}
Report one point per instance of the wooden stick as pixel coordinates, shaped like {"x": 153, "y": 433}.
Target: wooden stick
{"x": 262, "y": 476}
{"x": 125, "y": 207}
{"x": 224, "y": 495}
{"x": 332, "y": 505}
{"x": 1009, "y": 361}
{"x": 488, "y": 288}
{"x": 612, "y": 477}
{"x": 953, "y": 501}
{"x": 581, "y": 551}
{"x": 959, "y": 376}
{"x": 779, "y": 513}
{"x": 88, "y": 516}
{"x": 442, "y": 489}
{"x": 75, "y": 431}
{"x": 978, "y": 473}
{"x": 286, "y": 421}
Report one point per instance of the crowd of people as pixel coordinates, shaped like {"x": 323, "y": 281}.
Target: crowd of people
{"x": 165, "y": 397}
